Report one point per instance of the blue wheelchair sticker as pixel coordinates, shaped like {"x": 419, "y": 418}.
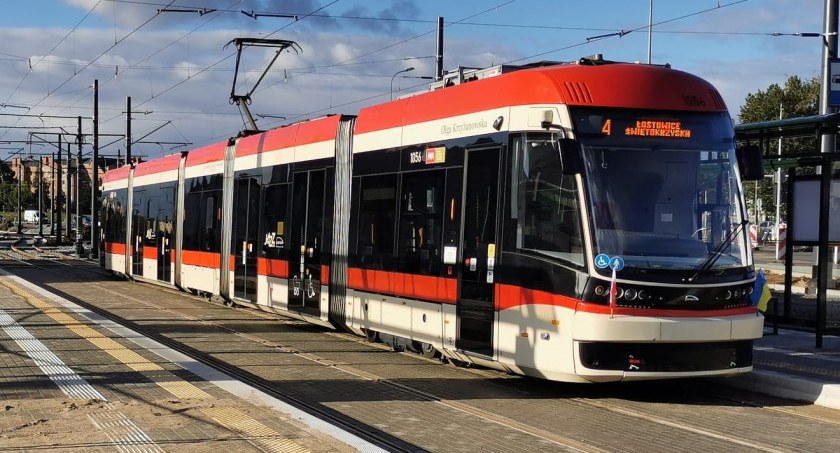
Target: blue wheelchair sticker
{"x": 602, "y": 261}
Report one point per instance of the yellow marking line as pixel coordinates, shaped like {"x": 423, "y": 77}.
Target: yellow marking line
{"x": 232, "y": 419}
{"x": 260, "y": 435}
{"x": 113, "y": 348}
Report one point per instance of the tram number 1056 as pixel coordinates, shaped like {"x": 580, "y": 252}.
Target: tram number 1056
{"x": 415, "y": 157}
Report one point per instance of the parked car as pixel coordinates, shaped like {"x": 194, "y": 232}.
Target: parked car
{"x": 85, "y": 224}
{"x": 768, "y": 225}
{"x": 767, "y": 230}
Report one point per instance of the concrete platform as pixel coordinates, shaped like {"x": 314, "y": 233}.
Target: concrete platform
{"x": 788, "y": 365}
{"x": 71, "y": 380}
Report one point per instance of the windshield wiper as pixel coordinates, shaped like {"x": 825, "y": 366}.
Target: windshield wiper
{"x": 717, "y": 252}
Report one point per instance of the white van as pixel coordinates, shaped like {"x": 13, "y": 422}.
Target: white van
{"x": 32, "y": 216}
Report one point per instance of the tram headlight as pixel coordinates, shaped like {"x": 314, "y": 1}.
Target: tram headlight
{"x": 728, "y": 295}
{"x": 643, "y": 295}
{"x": 619, "y": 293}
{"x": 749, "y": 290}
{"x": 737, "y": 293}
{"x": 599, "y": 290}
{"x": 631, "y": 294}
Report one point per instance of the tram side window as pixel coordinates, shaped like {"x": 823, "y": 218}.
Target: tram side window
{"x": 545, "y": 202}
{"x": 421, "y": 222}
{"x": 106, "y": 216}
{"x": 149, "y": 211}
{"x": 201, "y": 221}
{"x": 377, "y": 217}
{"x": 166, "y": 209}
{"x": 275, "y": 202}
{"x": 211, "y": 221}
{"x": 138, "y": 226}
{"x": 115, "y": 220}
{"x": 192, "y": 217}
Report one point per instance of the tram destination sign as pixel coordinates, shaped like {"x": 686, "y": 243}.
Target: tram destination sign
{"x": 648, "y": 128}
{"x": 626, "y": 126}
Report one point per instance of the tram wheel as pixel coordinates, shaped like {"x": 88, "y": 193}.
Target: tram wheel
{"x": 457, "y": 363}
{"x": 428, "y": 351}
{"x": 371, "y": 335}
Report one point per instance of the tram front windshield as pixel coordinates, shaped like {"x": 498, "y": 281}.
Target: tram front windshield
{"x": 663, "y": 190}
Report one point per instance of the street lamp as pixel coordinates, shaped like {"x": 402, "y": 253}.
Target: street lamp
{"x": 411, "y": 68}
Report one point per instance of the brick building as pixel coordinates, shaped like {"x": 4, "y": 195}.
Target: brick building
{"x": 26, "y": 170}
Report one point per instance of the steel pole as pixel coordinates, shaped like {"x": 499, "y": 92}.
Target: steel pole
{"x": 779, "y": 189}
{"x": 20, "y": 189}
{"x": 94, "y": 177}
{"x": 58, "y": 194}
{"x": 650, "y": 31}
{"x": 52, "y": 194}
{"x": 40, "y": 195}
{"x": 128, "y": 130}
{"x": 822, "y": 267}
{"x": 80, "y": 247}
{"x": 68, "y": 201}
{"x": 439, "y": 52}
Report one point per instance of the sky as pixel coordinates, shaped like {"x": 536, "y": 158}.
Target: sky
{"x": 173, "y": 59}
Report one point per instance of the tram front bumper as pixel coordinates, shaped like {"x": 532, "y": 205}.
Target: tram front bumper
{"x": 636, "y": 348}
{"x": 604, "y": 328}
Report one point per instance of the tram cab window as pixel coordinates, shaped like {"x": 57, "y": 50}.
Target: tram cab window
{"x": 275, "y": 202}
{"x": 544, "y": 202}
{"x": 645, "y": 202}
{"x": 377, "y": 217}
{"x": 421, "y": 221}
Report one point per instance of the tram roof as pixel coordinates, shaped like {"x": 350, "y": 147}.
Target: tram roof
{"x": 116, "y": 174}
{"x": 296, "y": 134}
{"x": 207, "y": 154}
{"x": 613, "y": 85}
{"x": 165, "y": 163}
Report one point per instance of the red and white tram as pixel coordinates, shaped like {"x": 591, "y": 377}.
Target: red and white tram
{"x": 480, "y": 220}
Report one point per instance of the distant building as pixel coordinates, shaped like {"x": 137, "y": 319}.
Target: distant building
{"x": 26, "y": 170}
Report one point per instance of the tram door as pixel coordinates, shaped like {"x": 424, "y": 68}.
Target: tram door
{"x": 164, "y": 244}
{"x": 306, "y": 236}
{"x": 138, "y": 230}
{"x": 246, "y": 209}
{"x": 165, "y": 226}
{"x": 475, "y": 309}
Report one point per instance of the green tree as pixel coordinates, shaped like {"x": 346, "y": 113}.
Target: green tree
{"x": 28, "y": 200}
{"x": 8, "y": 196}
{"x": 7, "y": 176}
{"x": 8, "y": 190}
{"x": 797, "y": 98}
